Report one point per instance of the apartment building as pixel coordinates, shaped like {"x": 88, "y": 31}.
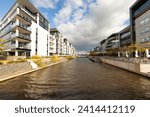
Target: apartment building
{"x": 65, "y": 47}
{"x": 140, "y": 21}
{"x": 25, "y": 30}
{"x": 68, "y": 48}
{"x": 52, "y": 45}
{"x": 138, "y": 32}
{"x": 59, "y": 40}
{"x": 125, "y": 37}
{"x": 102, "y": 46}
{"x": 112, "y": 41}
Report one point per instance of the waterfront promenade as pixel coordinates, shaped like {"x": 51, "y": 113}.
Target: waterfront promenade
{"x": 136, "y": 65}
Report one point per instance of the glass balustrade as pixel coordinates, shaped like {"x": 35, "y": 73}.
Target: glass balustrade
{"x": 28, "y": 12}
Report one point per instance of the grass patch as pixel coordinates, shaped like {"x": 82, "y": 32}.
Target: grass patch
{"x": 38, "y": 60}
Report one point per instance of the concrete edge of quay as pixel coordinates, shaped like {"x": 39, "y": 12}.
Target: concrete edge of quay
{"x": 30, "y": 71}
{"x": 122, "y": 67}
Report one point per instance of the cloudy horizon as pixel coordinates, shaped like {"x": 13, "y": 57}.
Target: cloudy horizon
{"x": 84, "y": 22}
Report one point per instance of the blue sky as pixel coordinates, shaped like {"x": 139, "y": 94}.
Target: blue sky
{"x": 5, "y": 6}
{"x": 84, "y": 22}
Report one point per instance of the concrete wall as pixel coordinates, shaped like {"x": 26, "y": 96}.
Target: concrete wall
{"x": 43, "y": 35}
{"x": 134, "y": 67}
{"x": 14, "y": 68}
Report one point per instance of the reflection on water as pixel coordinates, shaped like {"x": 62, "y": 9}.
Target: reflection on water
{"x": 77, "y": 79}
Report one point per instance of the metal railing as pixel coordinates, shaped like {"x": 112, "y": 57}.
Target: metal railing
{"x": 25, "y": 36}
{"x": 24, "y": 26}
{"x": 129, "y": 60}
{"x": 25, "y": 18}
{"x": 28, "y": 12}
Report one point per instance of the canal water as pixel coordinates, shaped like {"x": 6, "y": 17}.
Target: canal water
{"x": 78, "y": 79}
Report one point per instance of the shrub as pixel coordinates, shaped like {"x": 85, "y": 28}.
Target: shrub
{"x": 10, "y": 62}
{"x": 21, "y": 60}
{"x": 69, "y": 57}
{"x": 18, "y": 61}
{"x": 36, "y": 57}
{"x": 46, "y": 57}
{"x": 1, "y": 63}
{"x": 55, "y": 59}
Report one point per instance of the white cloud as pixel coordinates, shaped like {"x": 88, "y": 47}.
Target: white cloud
{"x": 104, "y": 18}
{"x": 45, "y": 3}
{"x": 72, "y": 9}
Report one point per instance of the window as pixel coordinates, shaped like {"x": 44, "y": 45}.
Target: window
{"x": 43, "y": 22}
{"x": 12, "y": 42}
{"x": 146, "y": 30}
{"x": 145, "y": 21}
{"x": 142, "y": 22}
{"x": 142, "y": 40}
{"x": 147, "y": 39}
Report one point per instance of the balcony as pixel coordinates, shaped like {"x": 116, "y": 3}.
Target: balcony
{"x": 28, "y": 12}
{"x": 22, "y": 27}
{"x": 23, "y": 47}
{"x": 25, "y": 18}
{"x": 21, "y": 37}
{"x": 24, "y": 36}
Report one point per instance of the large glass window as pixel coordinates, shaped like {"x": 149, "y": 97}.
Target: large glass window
{"x": 43, "y": 22}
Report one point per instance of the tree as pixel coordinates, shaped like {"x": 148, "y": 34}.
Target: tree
{"x": 2, "y": 46}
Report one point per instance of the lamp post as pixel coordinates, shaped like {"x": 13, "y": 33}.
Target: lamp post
{"x": 136, "y": 54}
{"x": 147, "y": 53}
{"x": 127, "y": 54}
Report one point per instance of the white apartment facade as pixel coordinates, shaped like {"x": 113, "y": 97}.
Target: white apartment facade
{"x": 59, "y": 40}
{"x": 52, "y": 45}
{"x": 25, "y": 30}
{"x": 61, "y": 45}
{"x": 68, "y": 48}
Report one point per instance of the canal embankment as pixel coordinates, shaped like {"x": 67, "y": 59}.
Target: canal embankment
{"x": 94, "y": 59}
{"x": 140, "y": 68}
{"x": 10, "y": 71}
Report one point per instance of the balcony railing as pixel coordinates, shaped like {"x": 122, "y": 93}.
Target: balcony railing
{"x": 28, "y": 12}
{"x": 23, "y": 47}
{"x": 27, "y": 37}
{"x": 24, "y": 36}
{"x": 24, "y": 26}
{"x": 21, "y": 25}
{"x": 25, "y": 18}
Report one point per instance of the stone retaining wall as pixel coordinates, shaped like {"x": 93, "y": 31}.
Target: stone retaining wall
{"x": 14, "y": 68}
{"x": 11, "y": 71}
